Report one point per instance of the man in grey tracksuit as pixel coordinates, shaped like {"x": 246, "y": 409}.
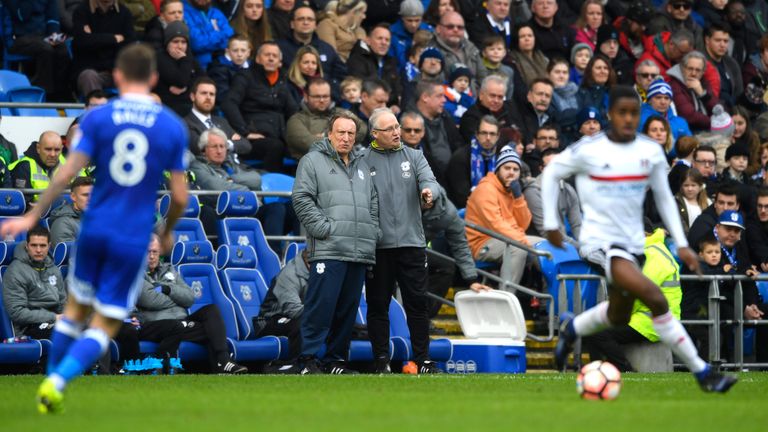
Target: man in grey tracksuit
{"x": 405, "y": 184}
{"x": 337, "y": 204}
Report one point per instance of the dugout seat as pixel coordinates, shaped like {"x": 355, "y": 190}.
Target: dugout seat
{"x": 292, "y": 250}
{"x": 61, "y": 253}
{"x": 189, "y": 229}
{"x": 567, "y": 261}
{"x": 207, "y": 288}
{"x": 12, "y": 205}
{"x": 192, "y": 210}
{"x": 276, "y": 182}
{"x": 239, "y": 227}
{"x": 192, "y": 252}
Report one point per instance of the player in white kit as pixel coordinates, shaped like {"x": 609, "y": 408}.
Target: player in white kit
{"x": 613, "y": 172}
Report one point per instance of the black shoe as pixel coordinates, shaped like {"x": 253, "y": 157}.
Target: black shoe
{"x": 428, "y": 367}
{"x": 381, "y": 366}
{"x": 231, "y": 368}
{"x": 565, "y": 341}
{"x": 311, "y": 367}
{"x": 339, "y": 368}
{"x": 712, "y": 381}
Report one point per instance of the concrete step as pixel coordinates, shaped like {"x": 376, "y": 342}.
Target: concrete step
{"x": 546, "y": 360}
{"x": 448, "y": 325}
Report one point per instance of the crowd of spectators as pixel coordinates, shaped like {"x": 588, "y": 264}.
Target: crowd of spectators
{"x": 488, "y": 90}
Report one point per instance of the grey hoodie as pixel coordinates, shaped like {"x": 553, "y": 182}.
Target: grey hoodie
{"x": 337, "y": 205}
{"x": 65, "y": 224}
{"x": 400, "y": 175}
{"x": 33, "y": 292}
{"x": 153, "y": 305}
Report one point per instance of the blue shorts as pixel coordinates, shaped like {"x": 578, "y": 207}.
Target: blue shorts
{"x": 107, "y": 274}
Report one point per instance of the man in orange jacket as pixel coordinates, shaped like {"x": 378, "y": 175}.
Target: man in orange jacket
{"x": 498, "y": 203}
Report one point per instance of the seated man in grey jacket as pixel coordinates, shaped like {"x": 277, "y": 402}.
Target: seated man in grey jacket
{"x": 281, "y": 310}
{"x": 214, "y": 170}
{"x": 65, "y": 220}
{"x": 162, "y": 310}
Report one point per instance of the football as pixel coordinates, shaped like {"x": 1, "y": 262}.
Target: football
{"x": 599, "y": 380}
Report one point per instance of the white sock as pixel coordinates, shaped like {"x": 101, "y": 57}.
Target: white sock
{"x": 592, "y": 320}
{"x": 673, "y": 334}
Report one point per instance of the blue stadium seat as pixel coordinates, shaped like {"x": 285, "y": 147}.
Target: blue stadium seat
{"x": 192, "y": 210}
{"x": 762, "y": 288}
{"x": 235, "y": 256}
{"x": 73, "y": 112}
{"x": 189, "y": 229}
{"x": 58, "y": 202}
{"x": 567, "y": 261}
{"x": 237, "y": 204}
{"x": 247, "y": 289}
{"x": 292, "y": 250}
{"x": 12, "y": 204}
{"x": 61, "y": 253}
{"x": 205, "y": 284}
{"x": 17, "y": 353}
{"x": 26, "y": 94}
{"x": 276, "y": 182}
{"x": 6, "y": 31}
{"x": 192, "y": 252}
{"x": 9, "y": 248}
{"x": 11, "y": 80}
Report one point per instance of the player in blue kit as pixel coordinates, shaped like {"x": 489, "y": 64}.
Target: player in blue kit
{"x": 131, "y": 140}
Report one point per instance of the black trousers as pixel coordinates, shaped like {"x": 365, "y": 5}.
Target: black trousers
{"x": 608, "y": 345}
{"x": 50, "y": 61}
{"x": 282, "y": 326}
{"x": 408, "y": 267}
{"x": 205, "y": 326}
{"x": 270, "y": 151}
{"x": 441, "y": 274}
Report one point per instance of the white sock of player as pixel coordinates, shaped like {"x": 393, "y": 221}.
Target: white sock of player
{"x": 673, "y": 334}
{"x": 592, "y": 320}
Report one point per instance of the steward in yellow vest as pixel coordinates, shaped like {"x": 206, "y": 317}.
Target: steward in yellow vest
{"x": 39, "y": 164}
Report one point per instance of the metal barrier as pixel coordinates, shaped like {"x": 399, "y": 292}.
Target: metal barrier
{"x": 508, "y": 240}
{"x": 713, "y": 322}
{"x": 53, "y": 105}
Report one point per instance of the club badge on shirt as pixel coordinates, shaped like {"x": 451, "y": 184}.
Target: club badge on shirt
{"x": 406, "y": 168}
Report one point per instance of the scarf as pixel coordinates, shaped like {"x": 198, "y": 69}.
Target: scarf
{"x": 481, "y": 161}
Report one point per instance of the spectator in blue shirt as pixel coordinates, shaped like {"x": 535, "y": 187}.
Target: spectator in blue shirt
{"x": 209, "y": 30}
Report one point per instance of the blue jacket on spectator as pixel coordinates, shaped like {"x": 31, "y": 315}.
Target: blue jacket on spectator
{"x": 222, "y": 71}
{"x": 33, "y": 17}
{"x": 204, "y": 38}
{"x": 677, "y": 125}
{"x": 402, "y": 41}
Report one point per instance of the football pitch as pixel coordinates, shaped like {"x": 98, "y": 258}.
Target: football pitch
{"x": 542, "y": 402}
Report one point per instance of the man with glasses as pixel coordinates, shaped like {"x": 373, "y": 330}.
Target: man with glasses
{"x": 469, "y": 164}
{"x": 412, "y": 127}
{"x": 450, "y": 39}
{"x": 547, "y": 137}
{"x": 405, "y": 186}
{"x": 645, "y": 73}
{"x": 668, "y": 49}
{"x": 677, "y": 15}
{"x": 303, "y": 25}
{"x": 693, "y": 95}
{"x": 309, "y": 125}
{"x": 441, "y": 137}
{"x": 553, "y": 38}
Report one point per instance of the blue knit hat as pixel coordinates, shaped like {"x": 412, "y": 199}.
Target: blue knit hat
{"x": 431, "y": 52}
{"x": 659, "y": 87}
{"x": 507, "y": 154}
{"x": 588, "y": 113}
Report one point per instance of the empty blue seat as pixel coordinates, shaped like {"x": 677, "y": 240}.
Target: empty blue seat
{"x": 237, "y": 204}
{"x": 564, "y": 262}
{"x": 205, "y": 283}
{"x": 32, "y": 94}
{"x": 248, "y": 232}
{"x": 247, "y": 289}
{"x": 12, "y": 202}
{"x": 11, "y": 80}
{"x": 192, "y": 252}
{"x": 192, "y": 210}
{"x": 276, "y": 182}
{"x": 236, "y": 256}
{"x": 189, "y": 229}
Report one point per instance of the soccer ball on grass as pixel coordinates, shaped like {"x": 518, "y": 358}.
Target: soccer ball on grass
{"x": 599, "y": 380}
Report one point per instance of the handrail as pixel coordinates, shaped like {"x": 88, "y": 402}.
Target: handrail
{"x": 278, "y": 194}
{"x": 713, "y": 308}
{"x": 54, "y": 105}
{"x": 507, "y": 240}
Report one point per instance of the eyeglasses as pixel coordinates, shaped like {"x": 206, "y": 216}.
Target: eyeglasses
{"x": 412, "y": 130}
{"x": 320, "y": 97}
{"x": 453, "y": 26}
{"x": 488, "y": 133}
{"x": 309, "y": 19}
{"x": 706, "y": 162}
{"x": 681, "y": 6}
{"x": 389, "y": 129}
{"x": 648, "y": 75}
{"x": 762, "y": 207}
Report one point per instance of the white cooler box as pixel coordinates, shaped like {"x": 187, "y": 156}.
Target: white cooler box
{"x": 494, "y": 325}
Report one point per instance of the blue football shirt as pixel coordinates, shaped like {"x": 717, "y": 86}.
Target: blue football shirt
{"x": 131, "y": 141}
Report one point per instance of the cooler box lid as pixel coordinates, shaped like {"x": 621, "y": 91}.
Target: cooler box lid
{"x": 492, "y": 314}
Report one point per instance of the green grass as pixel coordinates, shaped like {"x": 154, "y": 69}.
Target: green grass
{"x": 543, "y": 402}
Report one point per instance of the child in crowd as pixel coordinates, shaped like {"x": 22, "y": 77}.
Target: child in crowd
{"x": 737, "y": 158}
{"x": 225, "y": 67}
{"x": 351, "y": 88}
{"x": 691, "y": 197}
{"x": 458, "y": 95}
{"x": 494, "y": 52}
{"x": 581, "y": 54}
{"x": 411, "y": 72}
